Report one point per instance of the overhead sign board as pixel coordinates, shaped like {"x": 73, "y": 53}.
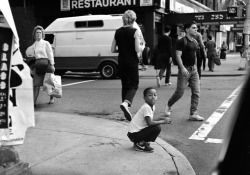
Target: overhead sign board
{"x": 69, "y": 5}
{"x": 204, "y": 17}
{"x": 232, "y": 11}
{"x": 236, "y": 29}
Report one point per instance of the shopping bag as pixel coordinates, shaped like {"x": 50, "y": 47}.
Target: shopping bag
{"x": 52, "y": 85}
{"x": 243, "y": 64}
{"x": 217, "y": 60}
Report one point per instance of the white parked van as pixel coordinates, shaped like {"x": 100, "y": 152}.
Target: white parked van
{"x": 83, "y": 44}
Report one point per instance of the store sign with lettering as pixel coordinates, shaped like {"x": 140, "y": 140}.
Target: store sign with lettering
{"x": 202, "y": 17}
{"x": 68, "y": 5}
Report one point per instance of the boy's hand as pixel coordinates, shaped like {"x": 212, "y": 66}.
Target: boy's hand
{"x": 167, "y": 120}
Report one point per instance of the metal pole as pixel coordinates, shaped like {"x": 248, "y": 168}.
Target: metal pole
{"x": 246, "y": 29}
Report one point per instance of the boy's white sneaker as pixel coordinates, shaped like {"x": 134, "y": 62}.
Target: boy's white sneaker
{"x": 195, "y": 117}
{"x": 168, "y": 110}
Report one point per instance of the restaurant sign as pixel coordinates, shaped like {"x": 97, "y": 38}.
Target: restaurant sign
{"x": 68, "y": 5}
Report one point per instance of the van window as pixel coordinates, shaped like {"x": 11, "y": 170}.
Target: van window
{"x": 86, "y": 24}
{"x": 50, "y": 38}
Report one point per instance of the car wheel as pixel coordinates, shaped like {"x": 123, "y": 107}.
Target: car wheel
{"x": 108, "y": 70}
{"x": 146, "y": 56}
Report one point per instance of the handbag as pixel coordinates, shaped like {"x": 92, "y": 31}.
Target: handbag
{"x": 217, "y": 60}
{"x": 41, "y": 65}
{"x": 244, "y": 54}
{"x": 52, "y": 85}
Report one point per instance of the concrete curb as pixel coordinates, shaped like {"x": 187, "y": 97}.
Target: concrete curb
{"x": 108, "y": 137}
{"x": 183, "y": 166}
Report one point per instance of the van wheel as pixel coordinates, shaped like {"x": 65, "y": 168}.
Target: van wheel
{"x": 108, "y": 70}
{"x": 146, "y": 55}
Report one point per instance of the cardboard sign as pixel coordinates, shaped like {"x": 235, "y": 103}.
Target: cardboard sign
{"x": 16, "y": 84}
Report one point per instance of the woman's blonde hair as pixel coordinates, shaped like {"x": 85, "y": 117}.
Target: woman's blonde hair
{"x": 129, "y": 17}
{"x": 38, "y": 28}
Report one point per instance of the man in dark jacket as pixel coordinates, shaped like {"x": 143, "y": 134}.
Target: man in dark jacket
{"x": 163, "y": 62}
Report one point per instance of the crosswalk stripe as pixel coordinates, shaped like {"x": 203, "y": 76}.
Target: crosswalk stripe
{"x": 202, "y": 132}
{"x": 70, "y": 84}
{"x": 210, "y": 140}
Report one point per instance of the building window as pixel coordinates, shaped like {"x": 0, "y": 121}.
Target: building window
{"x": 87, "y": 24}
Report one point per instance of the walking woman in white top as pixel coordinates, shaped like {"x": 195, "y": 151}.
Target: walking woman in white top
{"x": 42, "y": 49}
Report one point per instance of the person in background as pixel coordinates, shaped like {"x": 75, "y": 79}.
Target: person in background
{"x": 41, "y": 49}
{"x": 126, "y": 42}
{"x": 187, "y": 73}
{"x": 211, "y": 53}
{"x": 164, "y": 60}
{"x": 204, "y": 59}
{"x": 223, "y": 51}
{"x": 144, "y": 127}
{"x": 201, "y": 52}
{"x": 244, "y": 58}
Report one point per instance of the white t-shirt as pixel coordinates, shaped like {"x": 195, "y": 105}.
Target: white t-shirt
{"x": 138, "y": 121}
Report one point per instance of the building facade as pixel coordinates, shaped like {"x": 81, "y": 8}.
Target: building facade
{"x": 150, "y": 13}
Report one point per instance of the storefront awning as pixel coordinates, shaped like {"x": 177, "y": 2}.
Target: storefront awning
{"x": 204, "y": 18}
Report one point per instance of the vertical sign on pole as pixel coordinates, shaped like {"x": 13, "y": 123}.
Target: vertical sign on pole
{"x": 5, "y": 56}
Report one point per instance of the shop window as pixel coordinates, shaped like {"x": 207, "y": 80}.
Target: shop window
{"x": 87, "y": 24}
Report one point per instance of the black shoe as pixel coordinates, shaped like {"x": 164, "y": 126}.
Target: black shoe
{"x": 143, "y": 148}
{"x": 147, "y": 144}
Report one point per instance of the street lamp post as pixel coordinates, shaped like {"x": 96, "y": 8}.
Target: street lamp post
{"x": 246, "y": 29}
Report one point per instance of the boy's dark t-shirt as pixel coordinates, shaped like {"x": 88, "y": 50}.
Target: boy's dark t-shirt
{"x": 125, "y": 40}
{"x": 189, "y": 54}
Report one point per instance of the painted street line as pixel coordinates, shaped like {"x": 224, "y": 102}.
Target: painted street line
{"x": 70, "y": 84}
{"x": 210, "y": 140}
{"x": 202, "y": 132}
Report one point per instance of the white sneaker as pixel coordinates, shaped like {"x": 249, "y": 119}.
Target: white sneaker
{"x": 158, "y": 82}
{"x": 168, "y": 110}
{"x": 124, "y": 107}
{"x": 195, "y": 117}
{"x": 168, "y": 84}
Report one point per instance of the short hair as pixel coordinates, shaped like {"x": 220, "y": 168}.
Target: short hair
{"x": 38, "y": 28}
{"x": 188, "y": 25}
{"x": 209, "y": 37}
{"x": 167, "y": 28}
{"x": 147, "y": 90}
{"x": 129, "y": 17}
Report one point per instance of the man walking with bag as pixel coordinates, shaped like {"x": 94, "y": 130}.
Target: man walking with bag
{"x": 186, "y": 48}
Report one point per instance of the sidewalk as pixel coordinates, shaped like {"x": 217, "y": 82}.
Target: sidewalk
{"x": 66, "y": 144}
{"x": 228, "y": 67}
